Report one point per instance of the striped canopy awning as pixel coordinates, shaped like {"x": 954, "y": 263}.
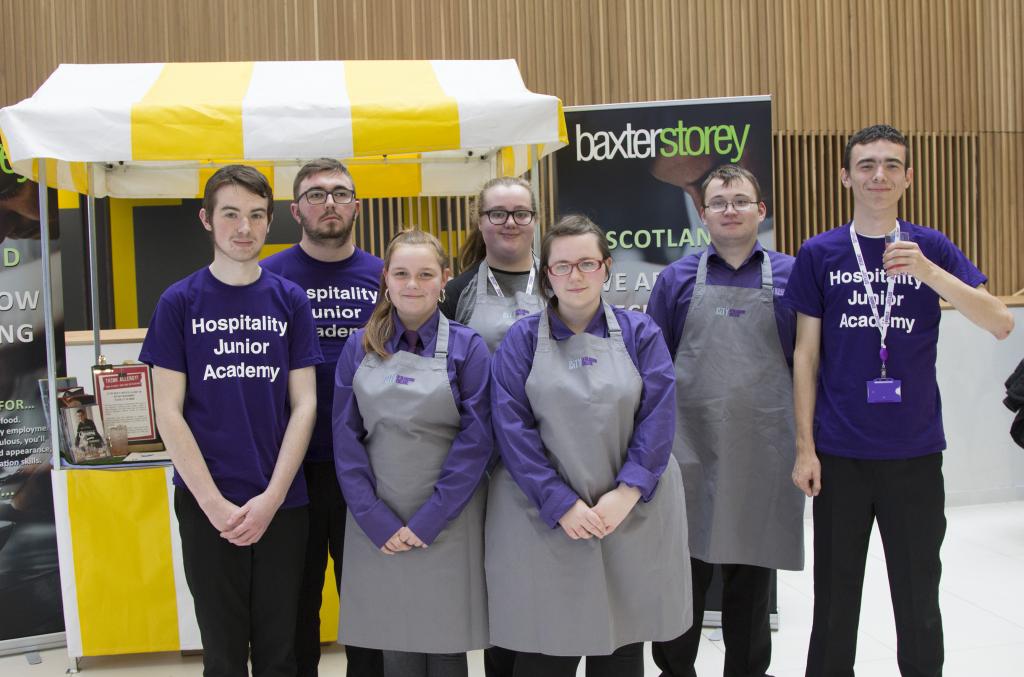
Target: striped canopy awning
{"x": 405, "y": 128}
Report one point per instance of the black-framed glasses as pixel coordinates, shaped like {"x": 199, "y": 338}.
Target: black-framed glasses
{"x": 563, "y": 268}
{"x": 318, "y": 196}
{"x": 740, "y": 204}
{"x": 499, "y": 217}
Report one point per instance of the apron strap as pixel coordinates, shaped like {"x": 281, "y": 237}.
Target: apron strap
{"x": 481, "y": 279}
{"x": 544, "y": 332}
{"x": 544, "y": 328}
{"x": 701, "y": 280}
{"x": 441, "y": 347}
{"x": 614, "y": 330}
{"x": 767, "y": 288}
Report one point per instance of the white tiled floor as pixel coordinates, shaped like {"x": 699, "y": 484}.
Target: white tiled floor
{"x": 982, "y": 604}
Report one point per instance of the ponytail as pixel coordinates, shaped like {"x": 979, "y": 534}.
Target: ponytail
{"x": 474, "y": 250}
{"x": 381, "y": 325}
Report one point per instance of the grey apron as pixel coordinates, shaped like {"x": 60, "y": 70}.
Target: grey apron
{"x": 493, "y": 315}
{"x": 429, "y": 600}
{"x": 548, "y": 593}
{"x": 735, "y": 439}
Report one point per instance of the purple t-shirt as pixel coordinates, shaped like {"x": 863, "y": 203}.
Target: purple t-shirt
{"x": 464, "y": 467}
{"x": 515, "y": 426}
{"x": 826, "y": 283}
{"x": 342, "y": 294}
{"x": 670, "y": 298}
{"x": 236, "y": 346}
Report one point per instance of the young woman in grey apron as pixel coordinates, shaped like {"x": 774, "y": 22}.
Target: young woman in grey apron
{"x": 586, "y": 526}
{"x": 499, "y": 287}
{"x": 500, "y": 283}
{"x": 412, "y": 439}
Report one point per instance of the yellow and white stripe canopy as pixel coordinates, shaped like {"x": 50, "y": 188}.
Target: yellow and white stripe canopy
{"x": 405, "y": 128}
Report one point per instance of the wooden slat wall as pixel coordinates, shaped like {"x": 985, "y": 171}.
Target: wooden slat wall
{"x": 949, "y": 73}
{"x": 446, "y": 218}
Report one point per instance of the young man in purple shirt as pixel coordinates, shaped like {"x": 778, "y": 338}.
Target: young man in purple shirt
{"x": 732, "y": 342}
{"x": 341, "y": 282}
{"x": 868, "y": 414}
{"x": 233, "y": 348}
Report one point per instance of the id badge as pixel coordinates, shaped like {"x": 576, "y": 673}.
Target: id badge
{"x": 885, "y": 391}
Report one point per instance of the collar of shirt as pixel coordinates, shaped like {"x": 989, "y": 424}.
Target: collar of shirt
{"x": 427, "y": 332}
{"x": 713, "y": 255}
{"x": 598, "y": 325}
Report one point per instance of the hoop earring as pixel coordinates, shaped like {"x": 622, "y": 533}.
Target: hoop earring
{"x": 443, "y": 296}
{"x": 387, "y": 297}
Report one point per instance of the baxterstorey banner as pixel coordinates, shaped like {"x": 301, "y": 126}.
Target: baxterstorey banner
{"x": 636, "y": 170}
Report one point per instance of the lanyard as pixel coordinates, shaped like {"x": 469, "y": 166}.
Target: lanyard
{"x": 883, "y": 322}
{"x": 497, "y": 288}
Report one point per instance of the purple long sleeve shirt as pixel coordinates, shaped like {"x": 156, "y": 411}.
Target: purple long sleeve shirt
{"x": 515, "y": 425}
{"x": 670, "y": 298}
{"x": 463, "y": 468}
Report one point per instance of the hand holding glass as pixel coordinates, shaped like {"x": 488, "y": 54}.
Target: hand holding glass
{"x": 891, "y": 238}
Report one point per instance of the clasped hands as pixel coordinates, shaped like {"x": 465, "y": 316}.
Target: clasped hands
{"x": 243, "y": 525}
{"x": 402, "y": 540}
{"x": 583, "y": 522}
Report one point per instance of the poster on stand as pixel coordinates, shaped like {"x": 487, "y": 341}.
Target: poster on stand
{"x": 636, "y": 169}
{"x": 30, "y": 593}
{"x": 125, "y": 395}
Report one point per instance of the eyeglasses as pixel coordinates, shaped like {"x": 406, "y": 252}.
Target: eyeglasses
{"x": 740, "y": 204}
{"x": 563, "y": 268}
{"x": 499, "y": 217}
{"x": 318, "y": 196}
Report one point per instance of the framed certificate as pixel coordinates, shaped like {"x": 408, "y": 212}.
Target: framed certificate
{"x": 124, "y": 393}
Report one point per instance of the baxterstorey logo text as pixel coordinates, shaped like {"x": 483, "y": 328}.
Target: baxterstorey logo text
{"x": 638, "y": 143}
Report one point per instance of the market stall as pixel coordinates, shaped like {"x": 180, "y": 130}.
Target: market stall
{"x": 405, "y": 128}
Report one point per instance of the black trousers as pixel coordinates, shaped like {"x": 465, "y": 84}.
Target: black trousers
{"x": 245, "y": 596}
{"x": 411, "y": 664}
{"x": 746, "y": 598}
{"x": 326, "y": 533}
{"x": 499, "y": 662}
{"x": 907, "y": 499}
{"x": 626, "y": 661}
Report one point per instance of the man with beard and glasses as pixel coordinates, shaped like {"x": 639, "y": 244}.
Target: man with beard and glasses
{"x": 341, "y": 282}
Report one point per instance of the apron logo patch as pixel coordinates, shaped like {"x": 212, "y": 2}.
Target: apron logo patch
{"x": 730, "y": 312}
{"x": 584, "y": 361}
{"x": 398, "y": 379}
{"x": 515, "y": 314}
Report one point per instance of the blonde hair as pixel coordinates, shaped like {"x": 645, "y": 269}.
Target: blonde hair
{"x": 381, "y": 325}
{"x": 474, "y": 250}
